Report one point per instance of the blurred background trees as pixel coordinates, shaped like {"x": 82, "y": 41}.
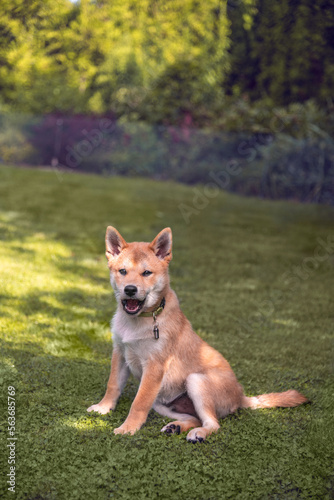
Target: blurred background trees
{"x": 260, "y": 68}
{"x": 284, "y": 50}
{"x": 107, "y": 55}
{"x": 152, "y": 58}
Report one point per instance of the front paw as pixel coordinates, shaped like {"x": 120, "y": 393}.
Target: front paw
{"x": 101, "y": 408}
{"x": 126, "y": 429}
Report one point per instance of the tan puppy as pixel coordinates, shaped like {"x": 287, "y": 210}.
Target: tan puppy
{"x": 180, "y": 375}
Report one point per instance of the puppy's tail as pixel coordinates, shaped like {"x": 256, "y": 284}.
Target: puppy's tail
{"x": 286, "y": 399}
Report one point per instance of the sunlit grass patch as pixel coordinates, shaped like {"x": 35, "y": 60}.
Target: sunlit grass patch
{"x": 88, "y": 424}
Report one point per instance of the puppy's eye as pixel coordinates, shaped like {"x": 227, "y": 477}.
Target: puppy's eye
{"x": 146, "y": 273}
{"x": 123, "y": 272}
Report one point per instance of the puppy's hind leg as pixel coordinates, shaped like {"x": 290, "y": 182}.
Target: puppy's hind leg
{"x": 183, "y": 423}
{"x": 198, "y": 389}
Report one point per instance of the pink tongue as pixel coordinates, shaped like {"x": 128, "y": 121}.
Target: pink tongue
{"x": 132, "y": 304}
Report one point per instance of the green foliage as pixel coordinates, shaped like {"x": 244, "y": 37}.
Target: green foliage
{"x": 56, "y": 304}
{"x": 181, "y": 154}
{"x": 91, "y": 57}
{"x": 288, "y": 154}
{"x": 299, "y": 120}
{"x": 15, "y": 146}
{"x": 184, "y": 87}
{"x": 157, "y": 60}
{"x": 302, "y": 170}
{"x": 283, "y": 50}
{"x": 34, "y": 76}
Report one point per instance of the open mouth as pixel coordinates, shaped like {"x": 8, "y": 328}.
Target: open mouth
{"x": 132, "y": 306}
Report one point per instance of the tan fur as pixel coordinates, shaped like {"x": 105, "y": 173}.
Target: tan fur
{"x": 180, "y": 375}
{"x": 287, "y": 399}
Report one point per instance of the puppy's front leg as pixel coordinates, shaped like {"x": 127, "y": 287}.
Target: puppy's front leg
{"x": 148, "y": 390}
{"x": 119, "y": 374}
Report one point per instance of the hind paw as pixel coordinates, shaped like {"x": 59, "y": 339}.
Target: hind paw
{"x": 170, "y": 429}
{"x": 196, "y": 435}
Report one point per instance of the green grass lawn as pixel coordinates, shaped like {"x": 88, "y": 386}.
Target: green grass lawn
{"x": 255, "y": 281}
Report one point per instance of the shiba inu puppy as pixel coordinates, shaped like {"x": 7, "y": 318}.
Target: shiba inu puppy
{"x": 180, "y": 375}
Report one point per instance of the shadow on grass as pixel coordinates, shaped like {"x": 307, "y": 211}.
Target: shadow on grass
{"x": 73, "y": 304}
{"x": 66, "y": 385}
{"x": 73, "y": 267}
{"x": 78, "y": 266}
{"x": 18, "y": 227}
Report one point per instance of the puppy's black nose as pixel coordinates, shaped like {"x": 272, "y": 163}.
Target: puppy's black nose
{"x": 130, "y": 290}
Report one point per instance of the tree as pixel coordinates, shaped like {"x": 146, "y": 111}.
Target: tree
{"x": 94, "y": 55}
{"x": 286, "y": 52}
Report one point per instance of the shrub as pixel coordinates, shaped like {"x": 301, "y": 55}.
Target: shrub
{"x": 262, "y": 116}
{"x": 67, "y": 139}
{"x": 299, "y": 169}
{"x": 14, "y": 144}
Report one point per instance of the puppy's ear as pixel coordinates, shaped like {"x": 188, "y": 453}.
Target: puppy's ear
{"x": 162, "y": 245}
{"x": 114, "y": 243}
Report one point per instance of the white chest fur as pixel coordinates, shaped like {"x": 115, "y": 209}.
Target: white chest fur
{"x": 135, "y": 338}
